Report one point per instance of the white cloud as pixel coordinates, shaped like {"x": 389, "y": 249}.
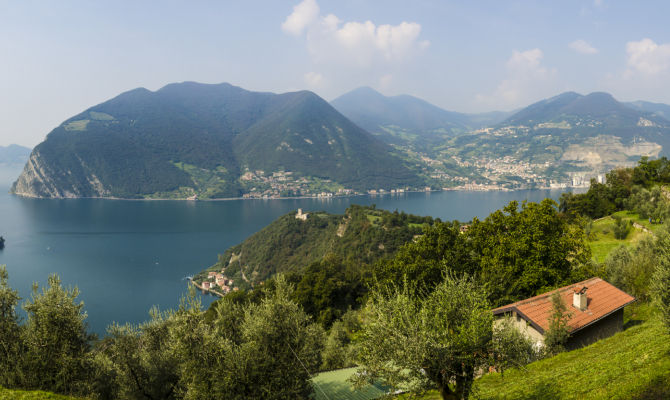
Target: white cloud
{"x": 583, "y": 47}
{"x": 303, "y": 15}
{"x": 646, "y": 57}
{"x": 345, "y": 45}
{"x": 527, "y": 80}
{"x": 313, "y": 79}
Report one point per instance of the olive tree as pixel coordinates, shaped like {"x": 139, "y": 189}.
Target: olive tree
{"x": 137, "y": 361}
{"x": 11, "y": 344}
{"x": 660, "y": 282}
{"x": 558, "y": 333}
{"x": 416, "y": 341}
{"x": 57, "y": 356}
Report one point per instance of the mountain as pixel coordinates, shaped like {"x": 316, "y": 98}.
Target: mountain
{"x": 588, "y": 114}
{"x": 565, "y": 139}
{"x": 210, "y": 141}
{"x": 405, "y": 117}
{"x": 658, "y": 109}
{"x": 290, "y": 244}
{"x": 595, "y": 123}
{"x": 13, "y": 154}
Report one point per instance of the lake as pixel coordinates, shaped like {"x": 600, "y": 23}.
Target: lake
{"x": 126, "y": 256}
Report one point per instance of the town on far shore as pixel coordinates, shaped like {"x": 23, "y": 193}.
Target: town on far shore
{"x": 282, "y": 184}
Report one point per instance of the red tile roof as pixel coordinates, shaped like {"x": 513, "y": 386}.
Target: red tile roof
{"x": 602, "y": 300}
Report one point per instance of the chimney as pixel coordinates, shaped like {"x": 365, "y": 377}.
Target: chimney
{"x": 579, "y": 298}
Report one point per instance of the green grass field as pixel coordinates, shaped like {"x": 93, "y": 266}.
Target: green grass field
{"x": 31, "y": 395}
{"x": 632, "y": 365}
{"x": 602, "y": 239}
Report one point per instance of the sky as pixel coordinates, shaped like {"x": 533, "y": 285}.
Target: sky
{"x": 57, "y": 58}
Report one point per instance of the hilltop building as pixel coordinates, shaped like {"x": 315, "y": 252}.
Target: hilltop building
{"x": 596, "y": 309}
{"x": 301, "y": 215}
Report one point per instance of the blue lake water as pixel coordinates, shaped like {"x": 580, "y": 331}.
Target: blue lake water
{"x": 126, "y": 256}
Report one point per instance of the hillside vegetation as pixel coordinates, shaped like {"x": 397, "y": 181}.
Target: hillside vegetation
{"x": 362, "y": 234}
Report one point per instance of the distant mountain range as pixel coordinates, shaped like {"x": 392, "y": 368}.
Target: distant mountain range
{"x": 13, "y": 154}
{"x": 658, "y": 109}
{"x": 210, "y": 141}
{"x": 406, "y": 118}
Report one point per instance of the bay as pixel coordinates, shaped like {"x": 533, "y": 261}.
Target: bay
{"x": 127, "y": 256}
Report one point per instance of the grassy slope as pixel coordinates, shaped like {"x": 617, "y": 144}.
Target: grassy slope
{"x": 603, "y": 241}
{"x": 31, "y": 395}
{"x": 633, "y": 364}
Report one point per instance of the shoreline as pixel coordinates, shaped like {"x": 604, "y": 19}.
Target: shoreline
{"x": 205, "y": 291}
{"x": 299, "y": 197}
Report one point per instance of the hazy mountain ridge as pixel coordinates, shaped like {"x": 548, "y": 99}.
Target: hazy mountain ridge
{"x": 658, "y": 109}
{"x": 403, "y": 117}
{"x": 13, "y": 154}
{"x": 190, "y": 139}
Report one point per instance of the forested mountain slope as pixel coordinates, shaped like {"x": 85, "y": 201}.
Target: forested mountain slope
{"x": 190, "y": 139}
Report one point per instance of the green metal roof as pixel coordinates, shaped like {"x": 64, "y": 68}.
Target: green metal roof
{"x": 335, "y": 385}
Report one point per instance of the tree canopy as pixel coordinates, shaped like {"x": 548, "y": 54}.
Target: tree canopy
{"x": 522, "y": 253}
{"x": 416, "y": 341}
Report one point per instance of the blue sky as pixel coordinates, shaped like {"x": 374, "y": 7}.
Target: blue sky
{"x": 58, "y": 58}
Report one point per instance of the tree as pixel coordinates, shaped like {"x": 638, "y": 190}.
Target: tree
{"x": 617, "y": 265}
{"x": 57, "y": 343}
{"x": 558, "y": 333}
{"x": 327, "y": 288}
{"x": 631, "y": 271}
{"x": 621, "y": 227}
{"x": 252, "y": 350}
{"x": 418, "y": 341}
{"x": 142, "y": 361}
{"x": 511, "y": 347}
{"x": 338, "y": 351}
{"x": 522, "y": 253}
{"x": 424, "y": 260}
{"x": 11, "y": 345}
{"x": 281, "y": 346}
{"x": 660, "y": 285}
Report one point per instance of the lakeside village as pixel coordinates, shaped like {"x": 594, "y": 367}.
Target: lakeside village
{"x": 283, "y": 184}
{"x": 216, "y": 283}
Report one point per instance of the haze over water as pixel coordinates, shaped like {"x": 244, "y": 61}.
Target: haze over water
{"x": 126, "y": 256}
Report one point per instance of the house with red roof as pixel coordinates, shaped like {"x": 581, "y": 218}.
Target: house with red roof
{"x": 594, "y": 305}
